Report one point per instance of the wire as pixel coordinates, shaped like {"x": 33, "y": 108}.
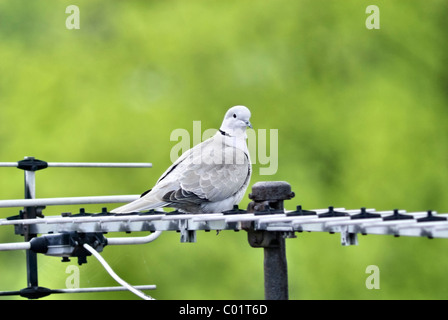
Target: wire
{"x": 114, "y": 275}
{"x": 134, "y": 240}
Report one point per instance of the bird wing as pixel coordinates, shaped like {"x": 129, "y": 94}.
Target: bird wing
{"x": 213, "y": 172}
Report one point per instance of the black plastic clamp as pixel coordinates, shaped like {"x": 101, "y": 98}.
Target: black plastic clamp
{"x": 32, "y": 164}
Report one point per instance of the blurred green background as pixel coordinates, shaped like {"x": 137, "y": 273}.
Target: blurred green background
{"x": 361, "y": 117}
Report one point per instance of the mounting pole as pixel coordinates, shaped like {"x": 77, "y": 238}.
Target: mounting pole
{"x": 267, "y": 198}
{"x": 276, "y": 270}
{"x": 30, "y": 166}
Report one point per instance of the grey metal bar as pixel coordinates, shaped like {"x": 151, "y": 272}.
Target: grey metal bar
{"x": 271, "y": 195}
{"x": 8, "y": 164}
{"x": 67, "y": 201}
{"x": 110, "y": 241}
{"x": 271, "y": 222}
{"x": 88, "y": 164}
{"x": 80, "y": 290}
{"x": 15, "y": 246}
{"x": 102, "y": 289}
{"x": 165, "y": 222}
{"x": 99, "y": 165}
{"x": 276, "y": 270}
{"x": 30, "y": 212}
{"x": 30, "y": 184}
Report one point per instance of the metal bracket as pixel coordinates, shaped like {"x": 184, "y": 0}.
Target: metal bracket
{"x": 264, "y": 239}
{"x": 348, "y": 238}
{"x": 185, "y": 234}
{"x": 267, "y": 198}
{"x": 31, "y": 164}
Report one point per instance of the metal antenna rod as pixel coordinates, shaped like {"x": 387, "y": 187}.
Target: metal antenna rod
{"x": 84, "y": 290}
{"x": 30, "y": 213}
{"x": 33, "y": 210}
{"x": 67, "y": 201}
{"x": 86, "y": 164}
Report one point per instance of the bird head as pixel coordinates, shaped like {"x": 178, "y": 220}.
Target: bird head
{"x": 236, "y": 120}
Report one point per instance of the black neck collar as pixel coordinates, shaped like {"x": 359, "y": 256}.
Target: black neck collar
{"x": 224, "y": 133}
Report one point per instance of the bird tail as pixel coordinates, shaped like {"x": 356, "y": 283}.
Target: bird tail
{"x": 139, "y": 205}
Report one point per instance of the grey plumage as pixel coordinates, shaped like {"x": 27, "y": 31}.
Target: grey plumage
{"x": 210, "y": 177}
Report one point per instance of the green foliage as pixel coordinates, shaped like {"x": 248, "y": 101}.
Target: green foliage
{"x": 361, "y": 116}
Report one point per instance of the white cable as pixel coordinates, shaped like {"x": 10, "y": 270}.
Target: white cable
{"x": 134, "y": 240}
{"x": 114, "y": 275}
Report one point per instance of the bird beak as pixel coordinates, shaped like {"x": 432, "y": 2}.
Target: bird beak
{"x": 249, "y": 124}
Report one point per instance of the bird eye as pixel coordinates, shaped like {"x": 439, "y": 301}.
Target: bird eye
{"x": 234, "y": 115}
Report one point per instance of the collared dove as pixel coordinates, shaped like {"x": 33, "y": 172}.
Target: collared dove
{"x": 210, "y": 177}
